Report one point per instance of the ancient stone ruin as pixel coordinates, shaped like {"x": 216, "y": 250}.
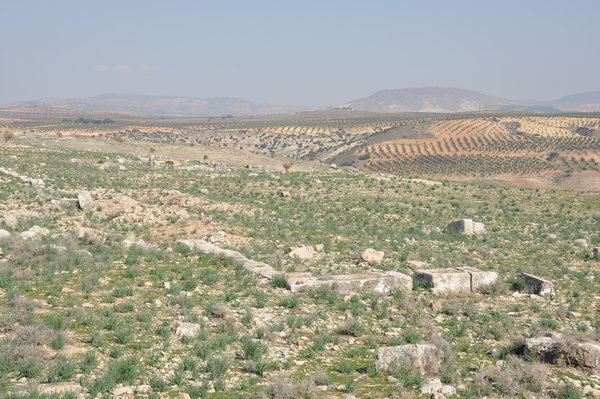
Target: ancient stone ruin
{"x": 537, "y": 285}
{"x": 458, "y": 280}
{"x": 465, "y": 226}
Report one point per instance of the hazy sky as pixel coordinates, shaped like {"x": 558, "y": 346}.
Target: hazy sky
{"x": 297, "y": 52}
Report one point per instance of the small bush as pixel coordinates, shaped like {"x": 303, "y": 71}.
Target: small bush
{"x": 279, "y": 281}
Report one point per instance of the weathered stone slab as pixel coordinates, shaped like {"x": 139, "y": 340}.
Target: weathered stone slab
{"x": 86, "y": 201}
{"x": 445, "y": 281}
{"x": 537, "y": 285}
{"x": 57, "y": 388}
{"x": 554, "y": 349}
{"x": 479, "y": 279}
{"x": 465, "y": 226}
{"x": 423, "y": 357}
{"x": 37, "y": 183}
{"x": 381, "y": 283}
{"x": 462, "y": 226}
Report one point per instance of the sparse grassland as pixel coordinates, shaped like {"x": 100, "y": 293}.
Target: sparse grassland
{"x": 97, "y": 313}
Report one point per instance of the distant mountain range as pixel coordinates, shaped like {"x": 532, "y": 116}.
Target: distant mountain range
{"x": 165, "y": 105}
{"x": 426, "y": 99}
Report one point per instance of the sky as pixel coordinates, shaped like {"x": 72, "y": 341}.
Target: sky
{"x": 307, "y": 52}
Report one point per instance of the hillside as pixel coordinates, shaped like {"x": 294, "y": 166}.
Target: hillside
{"x": 583, "y": 102}
{"x": 164, "y": 105}
{"x": 428, "y": 99}
{"x": 336, "y": 284}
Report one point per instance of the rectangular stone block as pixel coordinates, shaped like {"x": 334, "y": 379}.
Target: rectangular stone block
{"x": 445, "y": 281}
{"x": 479, "y": 278}
{"x": 462, "y": 226}
{"x": 537, "y": 285}
{"x": 381, "y": 283}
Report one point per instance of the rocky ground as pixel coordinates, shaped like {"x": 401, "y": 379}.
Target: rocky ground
{"x": 98, "y": 298}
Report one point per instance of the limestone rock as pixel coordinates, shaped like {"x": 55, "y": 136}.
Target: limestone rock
{"x": 123, "y": 392}
{"x": 87, "y": 236}
{"x": 4, "y": 235}
{"x": 465, "y": 226}
{"x": 372, "y": 256}
{"x": 128, "y": 243}
{"x": 556, "y": 349}
{"x": 431, "y": 385}
{"x": 381, "y": 283}
{"x": 581, "y": 242}
{"x": 34, "y": 232}
{"x": 37, "y": 183}
{"x": 416, "y": 264}
{"x": 188, "y": 330}
{"x": 423, "y": 357}
{"x": 85, "y": 200}
{"x": 11, "y": 221}
{"x": 537, "y": 285}
{"x": 445, "y": 281}
{"x": 59, "y": 388}
{"x": 479, "y": 279}
{"x": 303, "y": 253}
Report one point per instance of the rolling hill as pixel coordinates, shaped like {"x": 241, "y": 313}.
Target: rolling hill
{"x": 428, "y": 99}
{"x": 164, "y": 105}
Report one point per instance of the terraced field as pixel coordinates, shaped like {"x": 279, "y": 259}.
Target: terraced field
{"x": 492, "y": 146}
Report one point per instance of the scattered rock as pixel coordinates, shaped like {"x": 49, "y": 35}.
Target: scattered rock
{"x": 596, "y": 253}
{"x": 188, "y": 330}
{"x": 372, "y": 256}
{"x": 303, "y": 253}
{"x": 39, "y": 183}
{"x": 86, "y": 201}
{"x": 128, "y": 243}
{"x": 416, "y": 264}
{"x": 284, "y": 194}
{"x": 581, "y": 242}
{"x": 423, "y": 357}
{"x": 537, "y": 285}
{"x": 34, "y": 232}
{"x": 143, "y": 389}
{"x": 431, "y": 385}
{"x": 10, "y": 221}
{"x": 87, "y": 236}
{"x": 551, "y": 237}
{"x": 123, "y": 391}
{"x": 59, "y": 388}
{"x": 4, "y": 234}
